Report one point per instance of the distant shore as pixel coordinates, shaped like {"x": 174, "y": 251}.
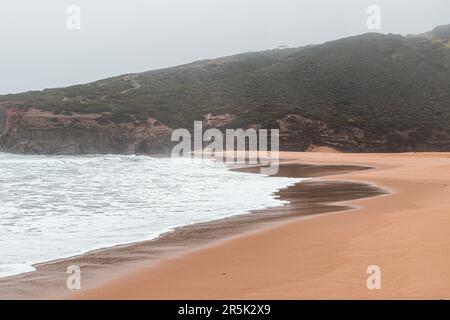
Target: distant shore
{"x": 306, "y": 198}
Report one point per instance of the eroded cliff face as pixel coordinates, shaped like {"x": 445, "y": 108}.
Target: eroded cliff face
{"x": 301, "y": 133}
{"x": 35, "y": 131}
{"x": 39, "y": 132}
{"x": 298, "y": 133}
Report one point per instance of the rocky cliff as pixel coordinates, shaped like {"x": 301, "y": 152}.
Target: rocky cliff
{"x": 41, "y": 132}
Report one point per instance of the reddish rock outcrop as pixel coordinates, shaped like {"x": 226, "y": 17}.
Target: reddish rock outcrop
{"x": 39, "y": 132}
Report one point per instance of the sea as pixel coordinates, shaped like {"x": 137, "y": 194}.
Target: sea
{"x": 55, "y": 207}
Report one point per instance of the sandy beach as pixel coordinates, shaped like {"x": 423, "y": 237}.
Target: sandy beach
{"x": 389, "y": 210}
{"x": 405, "y": 233}
{"x": 309, "y": 197}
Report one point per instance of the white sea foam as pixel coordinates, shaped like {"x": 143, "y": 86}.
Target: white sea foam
{"x": 52, "y": 207}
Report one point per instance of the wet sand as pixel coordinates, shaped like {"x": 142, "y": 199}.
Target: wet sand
{"x": 308, "y": 198}
{"x": 405, "y": 233}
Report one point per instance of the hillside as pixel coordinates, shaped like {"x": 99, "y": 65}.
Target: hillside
{"x": 366, "y": 93}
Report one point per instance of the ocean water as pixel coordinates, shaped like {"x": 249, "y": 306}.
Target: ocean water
{"x": 53, "y": 207}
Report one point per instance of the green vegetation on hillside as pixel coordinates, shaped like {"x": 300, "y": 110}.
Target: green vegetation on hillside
{"x": 388, "y": 86}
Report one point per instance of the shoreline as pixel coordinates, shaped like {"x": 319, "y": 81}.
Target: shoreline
{"x": 404, "y": 233}
{"x": 103, "y": 265}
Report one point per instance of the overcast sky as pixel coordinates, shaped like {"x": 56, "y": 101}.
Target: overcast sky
{"x": 37, "y": 49}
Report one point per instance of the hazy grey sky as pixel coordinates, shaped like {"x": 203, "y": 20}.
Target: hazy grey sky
{"x": 38, "y": 51}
